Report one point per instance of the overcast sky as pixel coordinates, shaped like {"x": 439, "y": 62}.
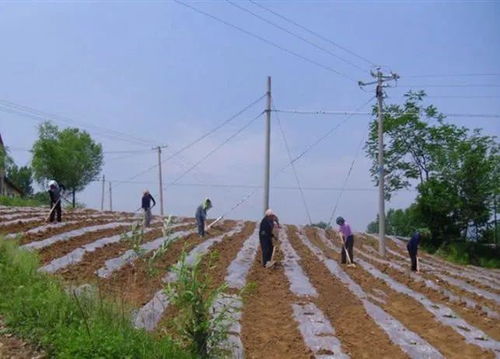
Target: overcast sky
{"x": 161, "y": 72}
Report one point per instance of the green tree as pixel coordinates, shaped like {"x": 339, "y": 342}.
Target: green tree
{"x": 70, "y": 156}
{"x": 21, "y": 177}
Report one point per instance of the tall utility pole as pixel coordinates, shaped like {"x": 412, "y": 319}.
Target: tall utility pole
{"x": 379, "y": 92}
{"x": 267, "y": 155}
{"x": 102, "y": 194}
{"x": 110, "y": 197}
{"x": 158, "y": 148}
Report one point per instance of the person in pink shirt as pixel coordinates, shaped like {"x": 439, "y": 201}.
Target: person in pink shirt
{"x": 347, "y": 238}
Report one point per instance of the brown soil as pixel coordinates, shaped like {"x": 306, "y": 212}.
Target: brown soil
{"x": 472, "y": 316}
{"x": 12, "y": 347}
{"x": 62, "y": 248}
{"x": 20, "y": 227}
{"x": 359, "y": 334}
{"x": 84, "y": 271}
{"x": 413, "y": 315}
{"x": 216, "y": 266}
{"x": 268, "y": 328}
{"x": 452, "y": 288}
{"x": 52, "y": 231}
{"x": 133, "y": 282}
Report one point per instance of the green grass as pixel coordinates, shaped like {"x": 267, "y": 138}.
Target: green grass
{"x": 36, "y": 307}
{"x": 21, "y": 202}
{"x": 464, "y": 252}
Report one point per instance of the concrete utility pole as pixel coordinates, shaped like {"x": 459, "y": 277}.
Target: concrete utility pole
{"x": 110, "y": 197}
{"x": 158, "y": 148}
{"x": 379, "y": 92}
{"x": 102, "y": 194}
{"x": 267, "y": 167}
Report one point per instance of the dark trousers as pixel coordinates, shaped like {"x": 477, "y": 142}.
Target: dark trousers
{"x": 349, "y": 244}
{"x": 201, "y": 226}
{"x": 266, "y": 244}
{"x": 413, "y": 257}
{"x": 56, "y": 212}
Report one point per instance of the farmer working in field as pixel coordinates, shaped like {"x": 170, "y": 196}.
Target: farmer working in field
{"x": 201, "y": 215}
{"x": 412, "y": 247}
{"x": 347, "y": 240}
{"x": 266, "y": 235}
{"x": 55, "y": 194}
{"x": 146, "y": 206}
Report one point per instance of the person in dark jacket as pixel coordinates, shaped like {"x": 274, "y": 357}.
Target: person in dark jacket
{"x": 266, "y": 235}
{"x": 201, "y": 215}
{"x": 55, "y": 194}
{"x": 412, "y": 247}
{"x": 146, "y": 206}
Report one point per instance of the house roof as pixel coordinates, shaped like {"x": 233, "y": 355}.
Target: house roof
{"x": 9, "y": 182}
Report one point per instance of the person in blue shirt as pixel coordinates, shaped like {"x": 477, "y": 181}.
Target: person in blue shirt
{"x": 201, "y": 215}
{"x": 412, "y": 247}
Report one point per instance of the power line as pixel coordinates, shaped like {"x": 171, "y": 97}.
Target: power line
{"x": 294, "y": 171}
{"x": 200, "y": 138}
{"x": 196, "y": 164}
{"x": 450, "y": 85}
{"x": 463, "y": 97}
{"x": 41, "y": 115}
{"x": 312, "y": 32}
{"x": 346, "y": 180}
{"x": 269, "y": 42}
{"x": 452, "y": 75}
{"x": 331, "y": 53}
{"x": 358, "y": 113}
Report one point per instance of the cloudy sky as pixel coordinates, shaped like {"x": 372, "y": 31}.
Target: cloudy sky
{"x": 137, "y": 74}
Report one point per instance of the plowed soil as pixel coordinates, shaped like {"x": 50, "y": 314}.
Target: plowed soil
{"x": 137, "y": 285}
{"x": 358, "y": 333}
{"x": 268, "y": 327}
{"x": 413, "y": 315}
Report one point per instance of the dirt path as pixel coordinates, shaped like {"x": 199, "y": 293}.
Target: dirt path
{"x": 412, "y": 314}
{"x": 359, "y": 335}
{"x": 268, "y": 326}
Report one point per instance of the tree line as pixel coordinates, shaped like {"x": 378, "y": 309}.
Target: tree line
{"x": 455, "y": 170}
{"x": 70, "y": 156}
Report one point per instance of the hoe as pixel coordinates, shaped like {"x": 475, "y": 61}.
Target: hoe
{"x": 350, "y": 263}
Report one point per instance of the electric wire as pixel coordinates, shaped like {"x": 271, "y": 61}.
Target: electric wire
{"x": 452, "y": 75}
{"x": 359, "y": 113}
{"x": 302, "y": 154}
{"x": 319, "y": 47}
{"x": 215, "y": 149}
{"x": 38, "y": 114}
{"x": 339, "y": 197}
{"x": 200, "y": 138}
{"x": 269, "y": 42}
{"x": 306, "y": 207}
{"x": 312, "y": 32}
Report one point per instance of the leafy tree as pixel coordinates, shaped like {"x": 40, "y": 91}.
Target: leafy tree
{"x": 21, "y": 177}
{"x": 322, "y": 225}
{"x": 69, "y": 156}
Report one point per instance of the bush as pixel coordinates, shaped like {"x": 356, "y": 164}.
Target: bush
{"x": 202, "y": 329}
{"x": 36, "y": 307}
{"x": 22, "y": 202}
{"x": 466, "y": 252}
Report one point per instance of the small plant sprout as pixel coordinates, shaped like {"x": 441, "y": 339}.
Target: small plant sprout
{"x": 135, "y": 238}
{"x": 204, "y": 319}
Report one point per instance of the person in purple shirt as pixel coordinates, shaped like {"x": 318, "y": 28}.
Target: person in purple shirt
{"x": 348, "y": 239}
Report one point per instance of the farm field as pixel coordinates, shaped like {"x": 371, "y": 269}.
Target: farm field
{"x": 308, "y": 306}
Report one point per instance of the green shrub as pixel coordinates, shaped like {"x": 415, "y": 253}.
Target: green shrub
{"x": 202, "y": 330}
{"x": 66, "y": 325}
